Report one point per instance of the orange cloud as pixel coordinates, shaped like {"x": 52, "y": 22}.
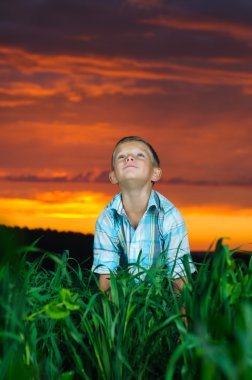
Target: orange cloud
{"x": 69, "y": 133}
{"x": 96, "y": 76}
{"x": 247, "y": 90}
{"x": 235, "y": 30}
{"x": 15, "y": 103}
{"x": 75, "y": 92}
{"x": 25, "y": 88}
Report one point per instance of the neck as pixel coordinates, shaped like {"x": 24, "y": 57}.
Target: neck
{"x": 135, "y": 203}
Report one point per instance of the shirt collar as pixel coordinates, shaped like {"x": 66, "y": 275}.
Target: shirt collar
{"x": 117, "y": 204}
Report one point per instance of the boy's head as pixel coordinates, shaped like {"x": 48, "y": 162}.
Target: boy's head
{"x": 134, "y": 159}
{"x": 155, "y": 158}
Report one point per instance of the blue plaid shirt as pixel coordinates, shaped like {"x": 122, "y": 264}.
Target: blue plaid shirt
{"x": 161, "y": 229}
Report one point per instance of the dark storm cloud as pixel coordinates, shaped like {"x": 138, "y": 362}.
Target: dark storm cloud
{"x": 79, "y": 178}
{"x": 207, "y": 183}
{"x": 227, "y": 9}
{"x": 119, "y": 28}
{"x": 102, "y": 177}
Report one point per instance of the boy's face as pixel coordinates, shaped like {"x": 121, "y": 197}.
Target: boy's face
{"x": 133, "y": 163}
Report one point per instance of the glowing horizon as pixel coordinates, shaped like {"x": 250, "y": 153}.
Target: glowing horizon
{"x": 78, "y": 211}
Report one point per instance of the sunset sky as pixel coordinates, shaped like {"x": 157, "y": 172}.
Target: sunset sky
{"x": 78, "y": 75}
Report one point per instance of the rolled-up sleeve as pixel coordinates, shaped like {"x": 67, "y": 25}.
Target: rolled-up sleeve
{"x": 106, "y": 257}
{"x": 176, "y": 243}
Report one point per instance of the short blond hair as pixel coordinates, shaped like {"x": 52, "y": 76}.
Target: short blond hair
{"x": 155, "y": 157}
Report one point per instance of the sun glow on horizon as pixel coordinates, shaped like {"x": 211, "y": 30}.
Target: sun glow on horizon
{"x": 59, "y": 210}
{"x": 207, "y": 224}
{"x": 78, "y": 211}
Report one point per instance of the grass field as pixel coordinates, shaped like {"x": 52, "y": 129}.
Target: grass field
{"x": 55, "y": 324}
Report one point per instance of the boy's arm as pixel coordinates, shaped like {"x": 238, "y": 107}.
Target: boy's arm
{"x": 177, "y": 245}
{"x": 178, "y": 284}
{"x": 104, "y": 282}
{"x": 105, "y": 251}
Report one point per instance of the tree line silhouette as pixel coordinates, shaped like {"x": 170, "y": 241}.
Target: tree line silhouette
{"x": 79, "y": 246}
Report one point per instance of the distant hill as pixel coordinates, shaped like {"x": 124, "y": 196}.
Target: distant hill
{"x": 80, "y": 246}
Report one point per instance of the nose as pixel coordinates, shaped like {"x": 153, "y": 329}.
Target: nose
{"x": 129, "y": 158}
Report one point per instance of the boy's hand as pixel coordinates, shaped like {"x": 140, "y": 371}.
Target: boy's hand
{"x": 104, "y": 282}
{"x": 184, "y": 318}
{"x": 178, "y": 285}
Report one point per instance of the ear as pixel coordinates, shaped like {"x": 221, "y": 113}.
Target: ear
{"x": 157, "y": 173}
{"x": 112, "y": 177}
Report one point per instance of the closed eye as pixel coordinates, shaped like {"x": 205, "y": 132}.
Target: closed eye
{"x": 141, "y": 155}
{"x": 121, "y": 156}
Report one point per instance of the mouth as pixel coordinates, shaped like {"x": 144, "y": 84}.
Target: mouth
{"x": 129, "y": 166}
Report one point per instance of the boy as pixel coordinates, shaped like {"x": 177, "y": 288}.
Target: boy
{"x": 138, "y": 218}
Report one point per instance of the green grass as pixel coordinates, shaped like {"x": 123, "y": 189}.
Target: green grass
{"x": 55, "y": 324}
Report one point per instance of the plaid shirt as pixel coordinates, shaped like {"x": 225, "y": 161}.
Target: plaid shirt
{"x": 161, "y": 229}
